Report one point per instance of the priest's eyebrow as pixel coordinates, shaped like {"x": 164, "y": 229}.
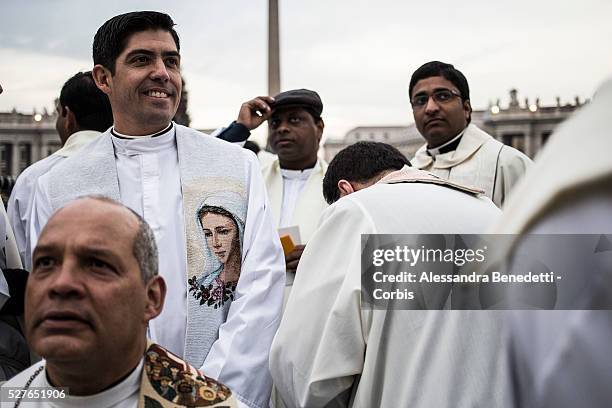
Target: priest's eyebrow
{"x": 44, "y": 249}
{"x": 149, "y": 53}
{"x": 439, "y": 88}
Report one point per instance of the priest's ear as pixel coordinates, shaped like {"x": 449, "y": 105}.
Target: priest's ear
{"x": 345, "y": 187}
{"x": 103, "y": 78}
{"x": 66, "y": 123}
{"x": 155, "y": 296}
{"x": 320, "y": 125}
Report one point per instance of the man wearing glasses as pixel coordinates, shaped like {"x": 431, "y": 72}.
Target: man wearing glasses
{"x": 457, "y": 150}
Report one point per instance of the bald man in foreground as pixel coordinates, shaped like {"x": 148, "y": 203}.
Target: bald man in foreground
{"x": 93, "y": 289}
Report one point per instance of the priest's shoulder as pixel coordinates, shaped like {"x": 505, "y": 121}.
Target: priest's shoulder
{"x": 206, "y": 140}
{"x": 509, "y": 156}
{"x": 508, "y": 152}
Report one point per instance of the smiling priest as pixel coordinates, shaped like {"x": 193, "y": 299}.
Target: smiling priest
{"x": 170, "y": 174}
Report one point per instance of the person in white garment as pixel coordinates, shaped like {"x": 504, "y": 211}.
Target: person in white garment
{"x": 83, "y": 112}
{"x": 166, "y": 172}
{"x": 9, "y": 253}
{"x": 14, "y": 354}
{"x": 92, "y": 291}
{"x": 456, "y": 149}
{"x": 561, "y": 358}
{"x": 354, "y": 355}
{"x": 294, "y": 177}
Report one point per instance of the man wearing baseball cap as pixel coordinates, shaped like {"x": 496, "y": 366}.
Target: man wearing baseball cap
{"x": 294, "y": 178}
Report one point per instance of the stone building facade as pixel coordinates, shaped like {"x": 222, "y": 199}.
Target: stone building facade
{"x": 25, "y": 139}
{"x": 406, "y": 138}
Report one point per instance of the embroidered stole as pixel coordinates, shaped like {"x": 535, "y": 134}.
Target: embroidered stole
{"x": 213, "y": 183}
{"x": 411, "y": 175}
{"x": 167, "y": 382}
{"x": 310, "y": 204}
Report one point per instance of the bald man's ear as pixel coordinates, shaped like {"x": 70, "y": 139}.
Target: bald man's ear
{"x": 345, "y": 187}
{"x": 156, "y": 294}
{"x": 103, "y": 78}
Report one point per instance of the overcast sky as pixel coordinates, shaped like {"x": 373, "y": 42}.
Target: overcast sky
{"x": 358, "y": 55}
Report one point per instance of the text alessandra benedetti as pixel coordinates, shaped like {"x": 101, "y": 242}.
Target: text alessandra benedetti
{"x": 495, "y": 277}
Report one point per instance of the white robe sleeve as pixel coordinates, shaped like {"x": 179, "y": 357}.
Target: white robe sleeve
{"x": 40, "y": 213}
{"x": 9, "y": 255}
{"x": 239, "y": 357}
{"x": 511, "y": 167}
{"x": 320, "y": 344}
{"x": 10, "y": 252}
{"x": 18, "y": 214}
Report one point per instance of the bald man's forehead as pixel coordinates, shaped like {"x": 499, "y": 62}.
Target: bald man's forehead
{"x": 100, "y": 205}
{"x": 88, "y": 227}
{"x": 107, "y": 216}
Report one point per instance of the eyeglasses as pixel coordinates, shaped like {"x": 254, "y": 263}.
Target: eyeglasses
{"x": 439, "y": 95}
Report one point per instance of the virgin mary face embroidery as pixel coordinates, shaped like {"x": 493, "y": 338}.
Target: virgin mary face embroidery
{"x": 222, "y": 232}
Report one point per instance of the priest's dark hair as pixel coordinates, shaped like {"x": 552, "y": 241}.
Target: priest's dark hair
{"x": 446, "y": 71}
{"x": 112, "y": 37}
{"x": 360, "y": 162}
{"x": 90, "y": 106}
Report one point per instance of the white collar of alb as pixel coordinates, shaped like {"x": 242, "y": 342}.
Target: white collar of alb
{"x": 161, "y": 132}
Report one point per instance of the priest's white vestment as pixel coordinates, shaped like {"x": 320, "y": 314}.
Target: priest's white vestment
{"x": 332, "y": 350}
{"x": 310, "y": 202}
{"x": 561, "y": 358}
{"x": 167, "y": 179}
{"x": 143, "y": 387}
{"x": 479, "y": 161}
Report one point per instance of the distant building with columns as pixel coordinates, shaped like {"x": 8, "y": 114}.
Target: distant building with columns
{"x": 25, "y": 139}
{"x": 406, "y": 138}
{"x": 525, "y": 127}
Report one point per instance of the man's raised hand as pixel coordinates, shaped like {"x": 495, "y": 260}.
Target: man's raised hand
{"x": 254, "y": 112}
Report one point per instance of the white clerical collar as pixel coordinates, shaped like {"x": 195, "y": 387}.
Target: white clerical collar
{"x": 449, "y": 146}
{"x": 144, "y": 144}
{"x": 104, "y": 399}
{"x": 296, "y": 174}
{"x": 156, "y": 134}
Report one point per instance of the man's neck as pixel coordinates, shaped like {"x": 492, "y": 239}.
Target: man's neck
{"x": 128, "y": 130}
{"x": 64, "y": 138}
{"x": 445, "y": 142}
{"x": 297, "y": 165}
{"x": 120, "y": 135}
{"x": 85, "y": 378}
